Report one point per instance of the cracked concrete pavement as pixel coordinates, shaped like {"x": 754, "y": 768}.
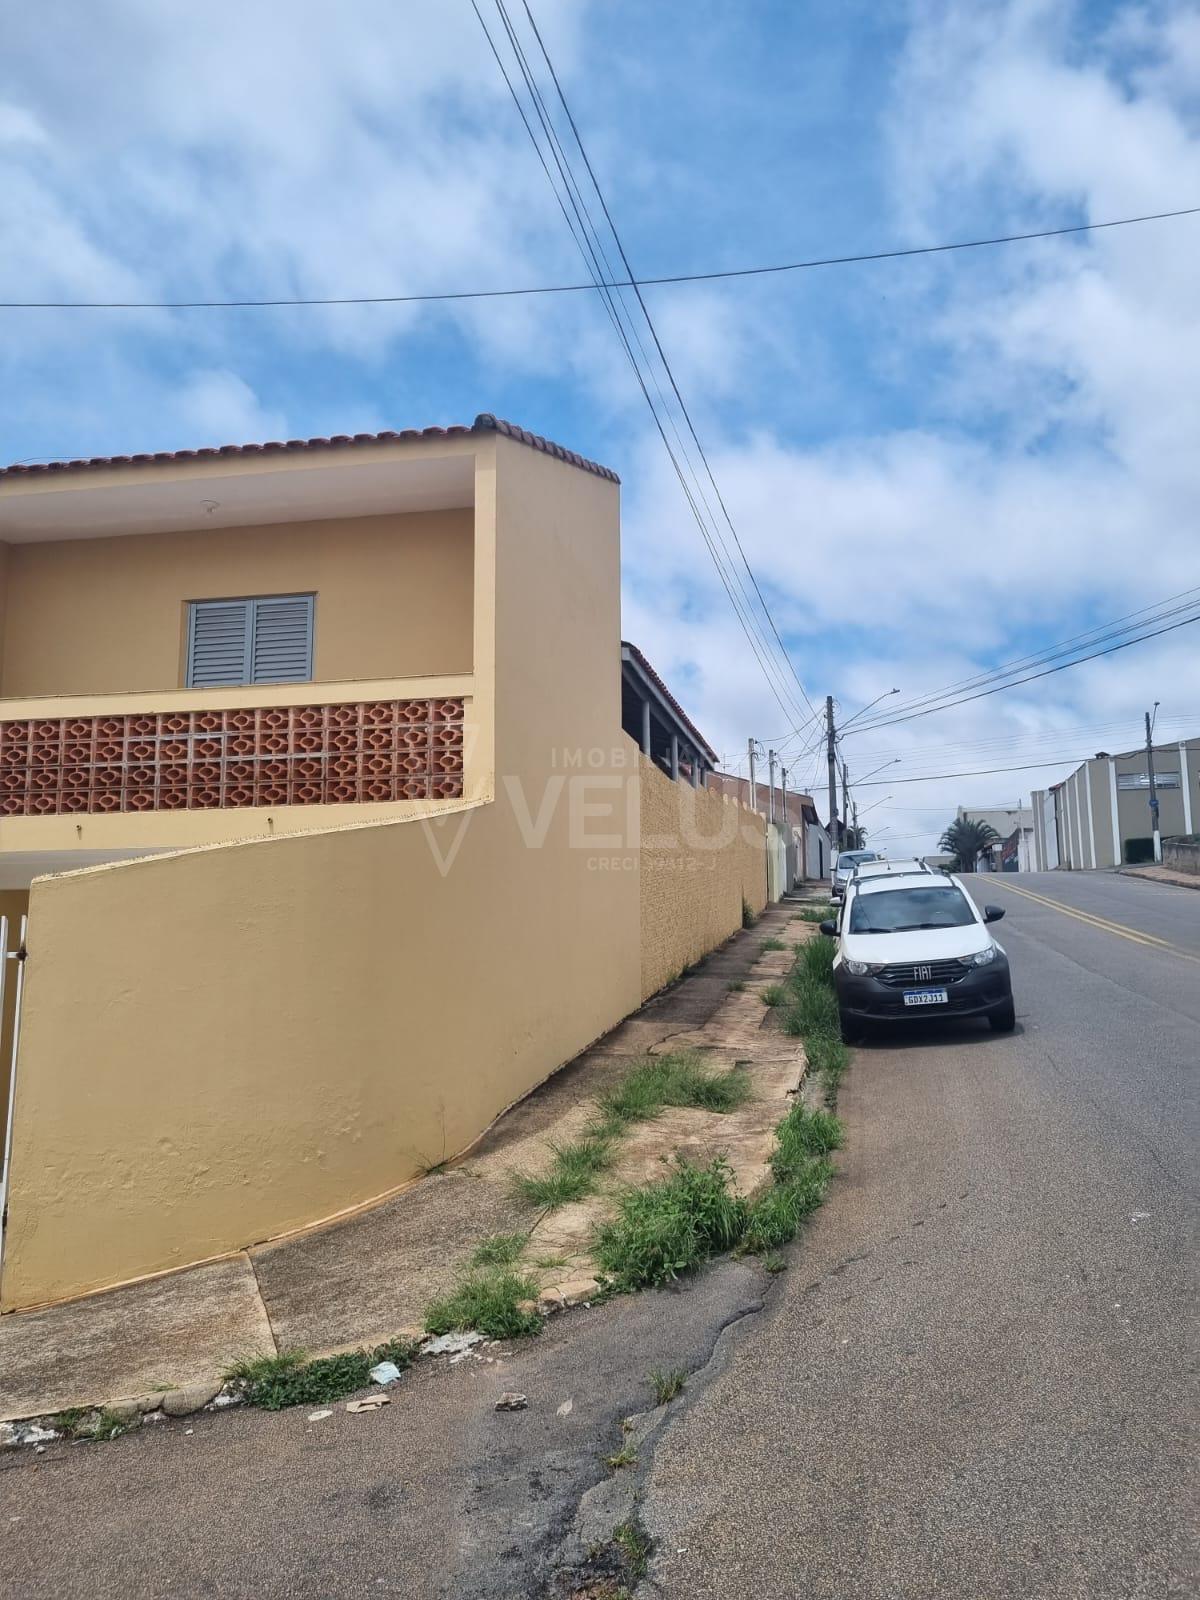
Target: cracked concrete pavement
{"x": 975, "y": 1380}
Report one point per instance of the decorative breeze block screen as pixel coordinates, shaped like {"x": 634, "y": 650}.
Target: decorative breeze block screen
{"x": 208, "y": 760}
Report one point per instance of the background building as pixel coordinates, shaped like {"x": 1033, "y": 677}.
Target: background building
{"x": 1090, "y": 818}
{"x": 1009, "y": 853}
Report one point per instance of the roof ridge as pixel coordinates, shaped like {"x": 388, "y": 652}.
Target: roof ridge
{"x": 485, "y": 422}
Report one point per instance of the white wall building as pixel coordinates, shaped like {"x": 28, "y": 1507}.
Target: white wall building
{"x": 1088, "y": 820}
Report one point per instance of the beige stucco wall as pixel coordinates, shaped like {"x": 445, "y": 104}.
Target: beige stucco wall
{"x": 102, "y": 616}
{"x": 225, "y": 1044}
{"x": 702, "y": 855}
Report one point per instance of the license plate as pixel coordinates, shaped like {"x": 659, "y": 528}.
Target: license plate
{"x": 926, "y": 997}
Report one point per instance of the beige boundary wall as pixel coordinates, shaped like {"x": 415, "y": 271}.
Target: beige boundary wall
{"x": 702, "y": 856}
{"x": 224, "y": 1044}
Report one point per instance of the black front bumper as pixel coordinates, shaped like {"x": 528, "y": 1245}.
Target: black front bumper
{"x": 978, "y": 992}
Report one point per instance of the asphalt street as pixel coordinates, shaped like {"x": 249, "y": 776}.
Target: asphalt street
{"x": 975, "y": 1379}
{"x": 979, "y": 1379}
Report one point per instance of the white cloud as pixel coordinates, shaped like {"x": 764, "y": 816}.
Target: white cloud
{"x": 1060, "y": 489}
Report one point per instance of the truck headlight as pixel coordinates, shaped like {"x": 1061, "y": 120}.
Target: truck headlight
{"x": 861, "y": 968}
{"x": 980, "y": 958}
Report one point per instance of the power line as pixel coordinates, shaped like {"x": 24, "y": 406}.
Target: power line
{"x": 979, "y": 772}
{"x": 1047, "y": 672}
{"x": 595, "y": 257}
{"x": 1026, "y": 743}
{"x": 662, "y": 354}
{"x": 583, "y": 234}
{"x": 1103, "y": 631}
{"x": 583, "y": 288}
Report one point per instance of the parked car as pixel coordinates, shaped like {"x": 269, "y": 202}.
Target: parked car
{"x": 844, "y": 866}
{"x": 914, "y": 944}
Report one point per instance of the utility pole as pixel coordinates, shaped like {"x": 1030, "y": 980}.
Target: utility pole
{"x": 831, "y": 759}
{"x": 857, "y": 835}
{"x": 1153, "y": 790}
{"x": 771, "y": 758}
{"x": 846, "y": 798}
{"x": 753, "y": 790}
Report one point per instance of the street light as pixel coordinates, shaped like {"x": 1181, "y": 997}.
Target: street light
{"x": 875, "y": 803}
{"x": 865, "y": 709}
{"x": 895, "y": 761}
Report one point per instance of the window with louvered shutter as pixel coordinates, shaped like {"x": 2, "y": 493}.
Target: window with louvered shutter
{"x": 265, "y": 640}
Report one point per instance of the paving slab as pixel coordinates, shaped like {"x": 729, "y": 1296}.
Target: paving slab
{"x": 363, "y": 1280}
{"x": 368, "y": 1277}
{"x": 165, "y": 1333}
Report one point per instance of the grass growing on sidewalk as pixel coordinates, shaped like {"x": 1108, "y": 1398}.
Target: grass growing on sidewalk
{"x": 671, "y": 1226}
{"x": 499, "y": 1249}
{"x": 813, "y": 914}
{"x": 812, "y": 1013}
{"x": 572, "y": 1175}
{"x": 289, "y": 1379}
{"x": 491, "y": 1303}
{"x": 680, "y": 1079}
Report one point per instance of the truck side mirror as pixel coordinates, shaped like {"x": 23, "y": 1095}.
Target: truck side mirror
{"x": 992, "y": 913}
{"x": 829, "y": 929}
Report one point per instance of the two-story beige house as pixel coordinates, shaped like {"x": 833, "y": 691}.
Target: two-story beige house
{"x": 333, "y": 727}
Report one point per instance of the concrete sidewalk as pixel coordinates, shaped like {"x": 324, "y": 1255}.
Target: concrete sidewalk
{"x": 1181, "y": 880}
{"x": 371, "y": 1277}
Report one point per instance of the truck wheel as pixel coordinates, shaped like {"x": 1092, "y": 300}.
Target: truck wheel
{"x": 1004, "y": 1020}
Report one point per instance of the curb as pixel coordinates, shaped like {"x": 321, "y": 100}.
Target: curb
{"x": 1178, "y": 881}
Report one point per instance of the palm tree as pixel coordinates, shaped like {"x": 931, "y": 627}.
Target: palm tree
{"x": 964, "y": 839}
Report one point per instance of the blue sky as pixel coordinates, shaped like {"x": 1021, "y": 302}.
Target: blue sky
{"x": 934, "y": 465}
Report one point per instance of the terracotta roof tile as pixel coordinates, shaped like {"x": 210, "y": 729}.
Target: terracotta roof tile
{"x": 484, "y": 423}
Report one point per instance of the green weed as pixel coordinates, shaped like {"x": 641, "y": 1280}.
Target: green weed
{"x": 626, "y": 1456}
{"x": 736, "y": 985}
{"x": 671, "y": 1226}
{"x": 499, "y": 1250}
{"x": 636, "y": 1547}
{"x": 667, "y": 1385}
{"x": 488, "y": 1301}
{"x": 73, "y": 1423}
{"x": 749, "y": 915}
{"x": 289, "y": 1379}
{"x": 773, "y": 995}
{"x": 572, "y": 1175}
{"x": 772, "y": 944}
{"x": 776, "y": 1215}
{"x": 801, "y": 1136}
{"x": 671, "y": 1080}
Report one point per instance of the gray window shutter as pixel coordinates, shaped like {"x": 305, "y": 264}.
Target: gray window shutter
{"x": 250, "y": 641}
{"x": 218, "y": 643}
{"x": 281, "y": 648}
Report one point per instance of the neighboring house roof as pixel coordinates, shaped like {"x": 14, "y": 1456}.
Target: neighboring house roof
{"x": 799, "y": 804}
{"x": 485, "y": 422}
{"x": 631, "y": 653}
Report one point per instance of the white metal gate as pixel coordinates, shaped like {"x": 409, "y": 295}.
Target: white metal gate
{"x": 12, "y": 971}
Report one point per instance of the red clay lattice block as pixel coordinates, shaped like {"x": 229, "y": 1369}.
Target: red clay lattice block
{"x": 276, "y": 755}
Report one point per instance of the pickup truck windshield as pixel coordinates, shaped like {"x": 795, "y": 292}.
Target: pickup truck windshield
{"x": 901, "y": 910}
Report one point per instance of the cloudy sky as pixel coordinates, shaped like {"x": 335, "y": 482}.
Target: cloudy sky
{"x": 935, "y": 465}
